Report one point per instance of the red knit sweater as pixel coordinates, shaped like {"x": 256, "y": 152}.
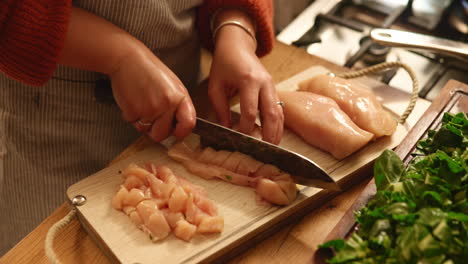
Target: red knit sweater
{"x": 32, "y": 33}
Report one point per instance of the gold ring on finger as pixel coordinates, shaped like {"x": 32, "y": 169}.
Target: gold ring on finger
{"x": 280, "y": 103}
{"x": 144, "y": 123}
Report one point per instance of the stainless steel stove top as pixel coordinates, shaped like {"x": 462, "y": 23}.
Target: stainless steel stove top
{"x": 338, "y": 31}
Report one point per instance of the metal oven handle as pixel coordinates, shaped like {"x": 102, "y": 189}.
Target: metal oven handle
{"x": 399, "y": 38}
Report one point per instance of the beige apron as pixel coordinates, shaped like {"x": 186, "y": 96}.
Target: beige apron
{"x": 55, "y": 135}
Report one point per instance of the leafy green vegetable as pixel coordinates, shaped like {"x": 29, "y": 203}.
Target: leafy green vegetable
{"x": 388, "y": 169}
{"x": 335, "y": 244}
{"x": 420, "y": 213}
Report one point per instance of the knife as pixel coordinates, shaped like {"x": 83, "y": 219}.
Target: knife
{"x": 304, "y": 170}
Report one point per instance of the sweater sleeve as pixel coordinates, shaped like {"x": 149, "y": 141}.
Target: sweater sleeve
{"x": 260, "y": 10}
{"x": 32, "y": 35}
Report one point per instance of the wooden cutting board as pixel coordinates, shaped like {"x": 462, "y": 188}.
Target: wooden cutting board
{"x": 122, "y": 242}
{"x": 453, "y": 99}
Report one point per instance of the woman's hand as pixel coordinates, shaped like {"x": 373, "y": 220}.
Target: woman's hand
{"x": 148, "y": 93}
{"x": 236, "y": 68}
{"x": 151, "y": 96}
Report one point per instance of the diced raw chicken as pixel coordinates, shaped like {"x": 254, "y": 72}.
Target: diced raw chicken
{"x": 157, "y": 226}
{"x": 118, "y": 198}
{"x": 321, "y": 123}
{"x": 135, "y": 170}
{"x": 150, "y": 167}
{"x": 128, "y": 209}
{"x": 193, "y": 214}
{"x": 148, "y": 192}
{"x": 133, "y": 181}
{"x": 166, "y": 175}
{"x": 178, "y": 200}
{"x": 159, "y": 188}
{"x": 286, "y": 183}
{"x": 146, "y": 208}
{"x": 134, "y": 197}
{"x": 136, "y": 219}
{"x": 133, "y": 214}
{"x": 272, "y": 192}
{"x": 160, "y": 201}
{"x": 184, "y": 230}
{"x": 237, "y": 168}
{"x": 358, "y": 102}
{"x": 172, "y": 217}
{"x": 211, "y": 224}
{"x": 206, "y": 205}
{"x": 192, "y": 188}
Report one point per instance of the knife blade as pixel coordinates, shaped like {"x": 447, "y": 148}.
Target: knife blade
{"x": 305, "y": 171}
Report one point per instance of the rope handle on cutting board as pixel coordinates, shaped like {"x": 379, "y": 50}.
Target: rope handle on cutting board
{"x": 80, "y": 200}
{"x": 49, "y": 240}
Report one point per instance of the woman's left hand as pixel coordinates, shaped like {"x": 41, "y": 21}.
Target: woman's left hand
{"x": 236, "y": 68}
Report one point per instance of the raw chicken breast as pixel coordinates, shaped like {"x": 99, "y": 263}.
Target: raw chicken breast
{"x": 188, "y": 157}
{"x": 158, "y": 202}
{"x": 321, "y": 123}
{"x": 359, "y": 103}
{"x": 235, "y": 168}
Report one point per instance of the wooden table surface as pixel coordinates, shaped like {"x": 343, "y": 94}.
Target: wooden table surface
{"x": 293, "y": 243}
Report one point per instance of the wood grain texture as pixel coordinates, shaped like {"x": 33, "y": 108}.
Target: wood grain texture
{"x": 296, "y": 241}
{"x": 454, "y": 99}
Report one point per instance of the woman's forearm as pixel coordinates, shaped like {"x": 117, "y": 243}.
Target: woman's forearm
{"x": 94, "y": 44}
{"x": 242, "y": 34}
{"x": 260, "y": 11}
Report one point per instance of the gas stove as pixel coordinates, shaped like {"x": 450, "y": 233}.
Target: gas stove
{"x": 338, "y": 31}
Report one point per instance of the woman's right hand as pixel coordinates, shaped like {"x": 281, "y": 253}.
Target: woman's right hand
{"x": 151, "y": 96}
{"x": 145, "y": 89}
